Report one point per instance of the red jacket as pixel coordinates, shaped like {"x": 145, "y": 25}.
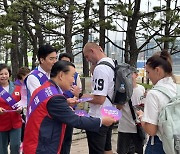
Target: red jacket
{"x": 36, "y": 134}
{"x": 10, "y": 120}
{"x": 45, "y": 127}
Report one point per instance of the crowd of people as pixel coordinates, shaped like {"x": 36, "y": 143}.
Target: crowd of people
{"x": 38, "y": 108}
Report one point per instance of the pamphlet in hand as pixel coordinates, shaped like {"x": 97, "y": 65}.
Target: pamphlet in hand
{"x": 9, "y": 110}
{"x": 81, "y": 113}
{"x": 112, "y": 112}
{"x": 85, "y": 99}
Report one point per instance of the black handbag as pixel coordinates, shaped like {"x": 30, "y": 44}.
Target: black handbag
{"x": 140, "y": 130}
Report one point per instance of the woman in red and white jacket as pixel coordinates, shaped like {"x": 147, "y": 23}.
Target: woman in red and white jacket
{"x": 10, "y": 118}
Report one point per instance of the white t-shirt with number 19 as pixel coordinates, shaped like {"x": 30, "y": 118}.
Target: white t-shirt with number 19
{"x": 103, "y": 85}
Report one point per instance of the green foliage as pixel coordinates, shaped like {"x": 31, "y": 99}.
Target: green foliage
{"x": 4, "y": 31}
{"x": 77, "y": 42}
{"x": 157, "y": 8}
{"x": 59, "y": 3}
{"x": 87, "y": 23}
{"x": 166, "y": 39}
{"x": 9, "y": 45}
{"x": 146, "y": 86}
{"x": 156, "y": 23}
{"x": 58, "y": 45}
{"x": 177, "y": 31}
{"x": 122, "y": 9}
{"x": 54, "y": 12}
{"x": 51, "y": 25}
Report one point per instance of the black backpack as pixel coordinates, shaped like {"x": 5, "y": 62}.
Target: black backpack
{"x": 123, "y": 86}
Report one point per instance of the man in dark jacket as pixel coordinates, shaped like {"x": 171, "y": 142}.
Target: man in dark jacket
{"x": 75, "y": 91}
{"x": 49, "y": 112}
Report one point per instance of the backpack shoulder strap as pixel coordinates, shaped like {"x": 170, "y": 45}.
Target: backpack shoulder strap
{"x": 166, "y": 92}
{"x": 132, "y": 110}
{"x": 178, "y": 89}
{"x": 111, "y": 66}
{"x": 107, "y": 63}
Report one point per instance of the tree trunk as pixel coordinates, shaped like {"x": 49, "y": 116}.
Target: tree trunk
{"x": 34, "y": 54}
{"x": 102, "y": 24}
{"x": 86, "y": 37}
{"x": 7, "y": 54}
{"x": 20, "y": 57}
{"x": 14, "y": 52}
{"x": 38, "y": 27}
{"x": 68, "y": 29}
{"x": 33, "y": 38}
{"x": 131, "y": 44}
{"x": 24, "y": 49}
{"x": 167, "y": 25}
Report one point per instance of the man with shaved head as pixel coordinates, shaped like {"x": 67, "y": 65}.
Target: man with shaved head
{"x": 102, "y": 91}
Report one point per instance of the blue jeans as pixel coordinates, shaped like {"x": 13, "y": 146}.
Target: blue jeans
{"x": 156, "y": 148}
{"x": 13, "y": 137}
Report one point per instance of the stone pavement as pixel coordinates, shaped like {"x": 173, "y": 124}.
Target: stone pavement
{"x": 80, "y": 146}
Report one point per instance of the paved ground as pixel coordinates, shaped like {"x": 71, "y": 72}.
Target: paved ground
{"x": 80, "y": 146}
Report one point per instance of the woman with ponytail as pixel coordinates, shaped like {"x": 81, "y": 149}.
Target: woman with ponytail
{"x": 159, "y": 71}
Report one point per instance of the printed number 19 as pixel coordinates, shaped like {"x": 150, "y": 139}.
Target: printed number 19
{"x": 99, "y": 84}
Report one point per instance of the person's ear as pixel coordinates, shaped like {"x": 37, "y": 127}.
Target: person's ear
{"x": 136, "y": 74}
{"x": 159, "y": 71}
{"x": 91, "y": 50}
{"x": 60, "y": 75}
{"x": 41, "y": 60}
{"x": 100, "y": 49}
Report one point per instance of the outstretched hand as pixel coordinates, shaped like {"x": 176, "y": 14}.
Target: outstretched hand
{"x": 2, "y": 110}
{"x": 19, "y": 109}
{"x": 107, "y": 121}
{"x": 72, "y": 101}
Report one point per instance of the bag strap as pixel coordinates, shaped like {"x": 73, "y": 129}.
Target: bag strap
{"x": 166, "y": 92}
{"x": 113, "y": 68}
{"x": 107, "y": 63}
{"x": 163, "y": 90}
{"x": 132, "y": 110}
{"x": 178, "y": 89}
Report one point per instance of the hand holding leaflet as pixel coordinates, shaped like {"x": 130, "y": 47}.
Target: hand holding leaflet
{"x": 85, "y": 99}
{"x": 9, "y": 110}
{"x": 81, "y": 113}
{"x": 19, "y": 110}
{"x": 112, "y": 112}
{"x": 1, "y": 110}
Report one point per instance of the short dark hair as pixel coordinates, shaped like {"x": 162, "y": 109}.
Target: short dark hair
{"x": 60, "y": 66}
{"x": 4, "y": 66}
{"x": 67, "y": 55}
{"x": 22, "y": 72}
{"x": 45, "y": 50}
